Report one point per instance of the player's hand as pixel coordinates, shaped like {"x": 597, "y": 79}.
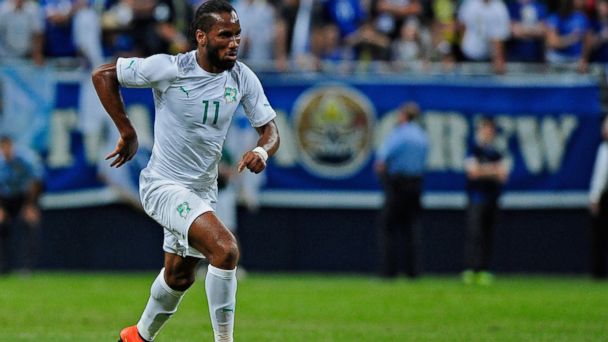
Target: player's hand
{"x": 252, "y": 161}
{"x": 125, "y": 150}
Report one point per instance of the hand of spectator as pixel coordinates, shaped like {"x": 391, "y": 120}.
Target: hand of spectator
{"x": 499, "y": 65}
{"x": 38, "y": 59}
{"x": 594, "y": 208}
{"x": 31, "y": 214}
{"x": 582, "y": 66}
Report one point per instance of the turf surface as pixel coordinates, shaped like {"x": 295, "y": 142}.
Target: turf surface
{"x": 276, "y": 307}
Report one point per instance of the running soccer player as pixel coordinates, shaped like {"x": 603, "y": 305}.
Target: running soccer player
{"x": 195, "y": 95}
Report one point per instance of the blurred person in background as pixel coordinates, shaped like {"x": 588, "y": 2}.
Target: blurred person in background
{"x": 568, "y": 31}
{"x": 20, "y": 188}
{"x": 258, "y": 35}
{"x": 288, "y": 11}
{"x": 486, "y": 28}
{"x": 598, "y": 204}
{"x": 196, "y": 96}
{"x": 346, "y": 15}
{"x": 486, "y": 173}
{"x": 528, "y": 31}
{"x": 59, "y": 37}
{"x": 144, "y": 27}
{"x": 400, "y": 165}
{"x": 444, "y": 32}
{"x": 21, "y": 31}
{"x": 389, "y": 15}
{"x": 369, "y": 44}
{"x": 409, "y": 47}
{"x": 597, "y": 48}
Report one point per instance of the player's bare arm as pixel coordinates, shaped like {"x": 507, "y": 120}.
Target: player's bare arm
{"x": 106, "y": 84}
{"x": 269, "y": 141}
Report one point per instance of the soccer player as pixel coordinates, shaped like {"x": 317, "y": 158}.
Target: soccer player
{"x": 196, "y": 95}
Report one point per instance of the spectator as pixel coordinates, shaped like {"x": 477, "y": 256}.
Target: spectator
{"x": 528, "y": 31}
{"x": 389, "y": 15}
{"x": 486, "y": 173}
{"x": 409, "y": 47}
{"x": 444, "y": 31}
{"x": 285, "y": 24}
{"x": 59, "y": 39}
{"x": 21, "y": 30}
{"x": 597, "y": 49}
{"x": 400, "y": 165}
{"x": 598, "y": 199}
{"x": 566, "y": 32}
{"x": 347, "y": 15}
{"x": 256, "y": 48}
{"x": 20, "y": 188}
{"x": 486, "y": 27}
{"x": 151, "y": 27}
{"x": 369, "y": 44}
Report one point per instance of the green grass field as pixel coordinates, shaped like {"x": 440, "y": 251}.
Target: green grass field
{"x": 276, "y": 307}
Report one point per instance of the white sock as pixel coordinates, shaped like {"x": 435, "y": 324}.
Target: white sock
{"x": 161, "y": 306}
{"x": 220, "y": 286}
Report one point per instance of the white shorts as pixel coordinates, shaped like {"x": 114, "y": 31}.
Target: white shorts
{"x": 175, "y": 206}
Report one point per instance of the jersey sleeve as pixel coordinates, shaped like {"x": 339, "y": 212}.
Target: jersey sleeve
{"x": 256, "y": 105}
{"x": 157, "y": 71}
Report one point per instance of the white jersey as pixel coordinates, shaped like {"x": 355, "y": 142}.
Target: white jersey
{"x": 194, "y": 109}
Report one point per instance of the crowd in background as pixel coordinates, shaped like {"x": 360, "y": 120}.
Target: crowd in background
{"x": 289, "y": 35}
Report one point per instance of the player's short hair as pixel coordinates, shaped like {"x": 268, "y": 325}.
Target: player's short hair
{"x": 203, "y": 20}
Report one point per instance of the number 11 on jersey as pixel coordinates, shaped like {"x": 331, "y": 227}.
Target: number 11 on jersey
{"x": 217, "y": 111}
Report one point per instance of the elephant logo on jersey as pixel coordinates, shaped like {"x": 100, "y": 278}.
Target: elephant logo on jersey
{"x": 230, "y": 94}
{"x": 334, "y": 130}
{"x": 183, "y": 209}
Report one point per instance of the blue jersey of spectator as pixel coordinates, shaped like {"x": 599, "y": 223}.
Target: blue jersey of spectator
{"x": 529, "y": 14}
{"x": 574, "y": 24}
{"x": 346, "y": 14}
{"x": 59, "y": 40}
{"x": 600, "y": 54}
{"x": 405, "y": 150}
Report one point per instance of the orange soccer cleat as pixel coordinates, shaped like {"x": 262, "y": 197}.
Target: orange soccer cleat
{"x": 130, "y": 334}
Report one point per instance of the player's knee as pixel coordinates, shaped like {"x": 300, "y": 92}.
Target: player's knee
{"x": 179, "y": 281}
{"x": 226, "y": 256}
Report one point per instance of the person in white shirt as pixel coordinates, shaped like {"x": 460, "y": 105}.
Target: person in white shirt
{"x": 598, "y": 203}
{"x": 195, "y": 95}
{"x": 21, "y": 30}
{"x": 486, "y": 27}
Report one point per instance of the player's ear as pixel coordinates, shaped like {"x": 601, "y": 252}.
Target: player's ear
{"x": 201, "y": 37}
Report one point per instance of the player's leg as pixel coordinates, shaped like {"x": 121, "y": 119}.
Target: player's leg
{"x": 412, "y": 234}
{"x": 473, "y": 237}
{"x": 209, "y": 235}
{"x": 4, "y": 240}
{"x": 166, "y": 293}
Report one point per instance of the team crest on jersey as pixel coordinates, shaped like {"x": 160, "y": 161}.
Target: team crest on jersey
{"x": 183, "y": 210}
{"x": 230, "y": 94}
{"x": 334, "y": 130}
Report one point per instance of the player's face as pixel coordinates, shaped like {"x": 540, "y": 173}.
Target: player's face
{"x": 223, "y": 42}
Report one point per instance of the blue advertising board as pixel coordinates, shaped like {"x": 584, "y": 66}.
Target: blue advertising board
{"x": 331, "y": 125}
